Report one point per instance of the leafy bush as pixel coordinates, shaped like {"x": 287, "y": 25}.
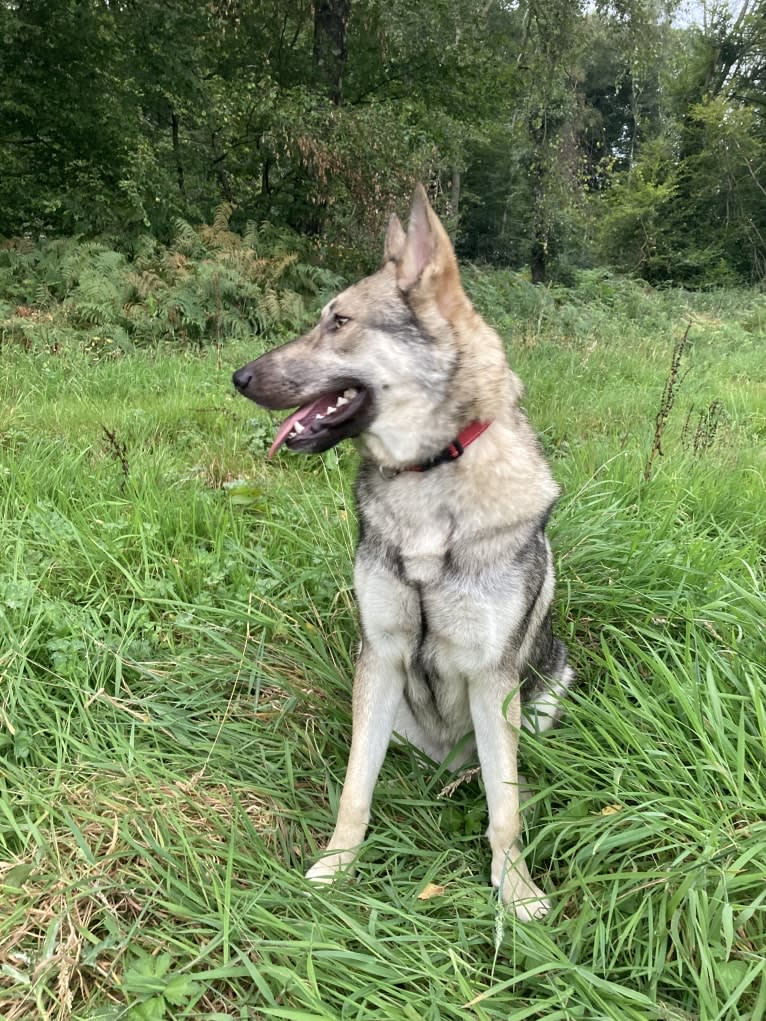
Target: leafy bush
{"x": 599, "y": 302}
{"x": 211, "y": 286}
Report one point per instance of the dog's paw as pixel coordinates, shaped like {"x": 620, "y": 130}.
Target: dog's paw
{"x": 517, "y": 890}
{"x": 532, "y": 909}
{"x": 330, "y": 866}
{"x": 527, "y": 900}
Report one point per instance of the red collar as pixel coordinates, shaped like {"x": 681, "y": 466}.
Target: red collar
{"x": 455, "y": 449}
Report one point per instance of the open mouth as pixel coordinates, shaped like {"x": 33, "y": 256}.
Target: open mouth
{"x": 325, "y": 421}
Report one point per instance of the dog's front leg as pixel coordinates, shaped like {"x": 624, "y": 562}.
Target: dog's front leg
{"x": 378, "y": 689}
{"x": 497, "y": 744}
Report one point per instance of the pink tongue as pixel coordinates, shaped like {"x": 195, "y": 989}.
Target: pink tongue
{"x": 307, "y": 411}
{"x": 284, "y": 431}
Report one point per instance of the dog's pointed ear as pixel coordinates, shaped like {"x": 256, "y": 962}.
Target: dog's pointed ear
{"x": 395, "y": 240}
{"x": 420, "y": 242}
{"x": 427, "y": 268}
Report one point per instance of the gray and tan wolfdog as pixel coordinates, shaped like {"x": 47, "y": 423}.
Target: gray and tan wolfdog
{"x": 453, "y": 571}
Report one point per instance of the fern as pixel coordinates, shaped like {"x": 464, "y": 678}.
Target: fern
{"x": 233, "y": 327}
{"x": 270, "y": 305}
{"x": 88, "y": 313}
{"x": 293, "y": 311}
{"x": 222, "y": 217}
{"x": 146, "y": 282}
{"x": 186, "y": 238}
{"x": 42, "y": 296}
{"x": 250, "y": 234}
{"x": 212, "y": 284}
{"x": 260, "y": 323}
{"x": 277, "y": 267}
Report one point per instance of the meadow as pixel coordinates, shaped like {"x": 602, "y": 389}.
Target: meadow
{"x": 177, "y": 633}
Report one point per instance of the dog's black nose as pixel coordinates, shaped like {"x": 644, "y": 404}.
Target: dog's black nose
{"x": 242, "y": 377}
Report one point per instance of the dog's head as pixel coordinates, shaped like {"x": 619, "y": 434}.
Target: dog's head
{"x": 383, "y": 359}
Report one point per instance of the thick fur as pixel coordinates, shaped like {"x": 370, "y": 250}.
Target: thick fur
{"x": 453, "y": 573}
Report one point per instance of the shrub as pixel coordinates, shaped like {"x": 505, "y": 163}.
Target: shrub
{"x": 211, "y": 285}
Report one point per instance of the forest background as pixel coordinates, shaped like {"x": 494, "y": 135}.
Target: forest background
{"x": 552, "y": 134}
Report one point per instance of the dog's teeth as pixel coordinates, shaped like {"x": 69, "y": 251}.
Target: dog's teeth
{"x": 318, "y": 415}
{"x": 298, "y": 428}
{"x": 350, "y": 393}
{"x": 340, "y": 402}
{"x": 330, "y": 410}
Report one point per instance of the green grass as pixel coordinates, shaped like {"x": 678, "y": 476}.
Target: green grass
{"x": 176, "y": 645}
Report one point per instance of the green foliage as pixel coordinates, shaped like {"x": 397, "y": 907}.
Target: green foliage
{"x": 632, "y": 225}
{"x": 691, "y": 208}
{"x": 155, "y": 990}
{"x": 211, "y": 285}
{"x": 692, "y": 220}
{"x": 515, "y": 115}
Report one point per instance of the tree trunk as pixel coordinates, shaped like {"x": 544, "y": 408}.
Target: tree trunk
{"x": 538, "y": 255}
{"x": 538, "y": 262}
{"x": 330, "y": 24}
{"x": 455, "y": 193}
{"x": 177, "y": 154}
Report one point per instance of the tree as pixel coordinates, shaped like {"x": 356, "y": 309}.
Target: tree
{"x": 330, "y": 27}
{"x": 69, "y": 122}
{"x": 693, "y": 210}
{"x": 549, "y": 132}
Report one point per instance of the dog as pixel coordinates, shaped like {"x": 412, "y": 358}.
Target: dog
{"x": 453, "y": 572}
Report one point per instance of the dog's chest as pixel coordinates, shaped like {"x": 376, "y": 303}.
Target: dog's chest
{"x": 428, "y": 593}
{"x": 414, "y": 533}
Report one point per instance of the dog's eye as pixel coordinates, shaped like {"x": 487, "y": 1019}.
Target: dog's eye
{"x": 339, "y": 322}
